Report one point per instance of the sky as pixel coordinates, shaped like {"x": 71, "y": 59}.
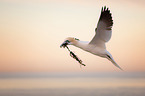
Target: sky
{"x": 31, "y": 32}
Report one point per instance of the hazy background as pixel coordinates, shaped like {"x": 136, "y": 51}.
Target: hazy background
{"x": 31, "y": 32}
{"x": 33, "y": 64}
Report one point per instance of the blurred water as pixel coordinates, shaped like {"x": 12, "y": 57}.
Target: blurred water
{"x": 73, "y": 84}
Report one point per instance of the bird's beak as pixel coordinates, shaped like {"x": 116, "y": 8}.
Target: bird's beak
{"x": 64, "y": 44}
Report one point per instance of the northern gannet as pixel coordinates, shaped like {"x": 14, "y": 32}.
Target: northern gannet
{"x": 103, "y": 34}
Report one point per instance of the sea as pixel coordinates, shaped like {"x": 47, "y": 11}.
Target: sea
{"x": 73, "y": 84}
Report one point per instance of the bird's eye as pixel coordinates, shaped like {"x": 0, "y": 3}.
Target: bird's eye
{"x": 67, "y": 41}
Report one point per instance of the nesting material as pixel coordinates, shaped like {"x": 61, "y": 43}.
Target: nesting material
{"x": 75, "y": 56}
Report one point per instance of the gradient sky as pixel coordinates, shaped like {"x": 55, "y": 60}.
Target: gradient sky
{"x": 31, "y": 32}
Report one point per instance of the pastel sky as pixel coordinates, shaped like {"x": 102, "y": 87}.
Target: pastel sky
{"x": 31, "y": 32}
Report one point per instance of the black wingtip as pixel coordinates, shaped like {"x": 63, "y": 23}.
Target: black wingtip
{"x": 106, "y": 16}
{"x": 104, "y": 8}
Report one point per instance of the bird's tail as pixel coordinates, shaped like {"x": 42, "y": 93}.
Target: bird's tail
{"x": 110, "y": 58}
{"x": 113, "y": 61}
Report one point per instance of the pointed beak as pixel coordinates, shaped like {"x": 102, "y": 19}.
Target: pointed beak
{"x": 64, "y": 44}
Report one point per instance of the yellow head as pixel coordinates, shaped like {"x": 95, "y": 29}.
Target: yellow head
{"x": 69, "y": 41}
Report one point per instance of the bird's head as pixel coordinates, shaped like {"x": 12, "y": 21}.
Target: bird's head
{"x": 69, "y": 41}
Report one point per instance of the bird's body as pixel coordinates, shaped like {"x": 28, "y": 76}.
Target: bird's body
{"x": 90, "y": 48}
{"x": 103, "y": 34}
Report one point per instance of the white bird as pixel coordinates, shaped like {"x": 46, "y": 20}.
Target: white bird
{"x": 103, "y": 34}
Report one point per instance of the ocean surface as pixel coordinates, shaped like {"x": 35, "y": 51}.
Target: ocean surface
{"x": 72, "y": 84}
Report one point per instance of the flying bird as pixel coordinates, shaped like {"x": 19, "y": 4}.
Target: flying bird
{"x": 103, "y": 33}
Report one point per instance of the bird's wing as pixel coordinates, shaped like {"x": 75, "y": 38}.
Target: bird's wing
{"x": 104, "y": 28}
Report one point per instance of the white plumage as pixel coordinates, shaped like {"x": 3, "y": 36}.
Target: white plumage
{"x": 103, "y": 34}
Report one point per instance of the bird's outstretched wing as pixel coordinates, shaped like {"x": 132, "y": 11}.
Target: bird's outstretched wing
{"x": 104, "y": 28}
